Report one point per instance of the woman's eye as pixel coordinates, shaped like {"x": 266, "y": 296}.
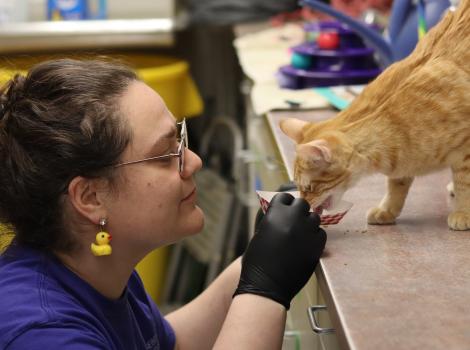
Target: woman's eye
{"x": 165, "y": 160}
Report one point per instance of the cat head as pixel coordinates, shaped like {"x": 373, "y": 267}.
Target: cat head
{"x": 322, "y": 167}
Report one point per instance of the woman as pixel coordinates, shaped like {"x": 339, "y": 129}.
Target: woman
{"x": 95, "y": 174}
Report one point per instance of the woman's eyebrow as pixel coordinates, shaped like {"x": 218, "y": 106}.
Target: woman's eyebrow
{"x": 168, "y": 135}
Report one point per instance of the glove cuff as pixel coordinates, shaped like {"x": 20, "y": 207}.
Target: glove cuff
{"x": 250, "y": 289}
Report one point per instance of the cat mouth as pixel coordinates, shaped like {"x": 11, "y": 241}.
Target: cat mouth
{"x": 326, "y": 204}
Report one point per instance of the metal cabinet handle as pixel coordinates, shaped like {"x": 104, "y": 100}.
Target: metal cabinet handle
{"x": 312, "y": 311}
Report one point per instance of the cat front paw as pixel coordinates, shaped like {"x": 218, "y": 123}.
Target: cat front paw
{"x": 459, "y": 221}
{"x": 379, "y": 216}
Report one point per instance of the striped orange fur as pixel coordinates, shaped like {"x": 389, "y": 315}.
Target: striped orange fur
{"x": 411, "y": 120}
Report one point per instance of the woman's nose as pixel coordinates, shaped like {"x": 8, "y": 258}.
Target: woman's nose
{"x": 192, "y": 163}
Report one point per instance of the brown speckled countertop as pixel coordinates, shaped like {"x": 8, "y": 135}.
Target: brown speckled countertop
{"x": 404, "y": 286}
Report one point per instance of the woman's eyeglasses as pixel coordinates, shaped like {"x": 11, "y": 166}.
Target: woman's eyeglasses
{"x": 183, "y": 143}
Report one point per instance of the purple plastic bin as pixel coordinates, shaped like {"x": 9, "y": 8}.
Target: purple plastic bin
{"x": 336, "y": 60}
{"x": 292, "y": 78}
{"x": 351, "y": 63}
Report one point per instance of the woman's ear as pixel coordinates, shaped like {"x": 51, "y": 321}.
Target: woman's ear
{"x": 86, "y": 196}
{"x": 292, "y": 127}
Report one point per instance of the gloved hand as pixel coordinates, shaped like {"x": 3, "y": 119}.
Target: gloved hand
{"x": 285, "y": 187}
{"x": 284, "y": 251}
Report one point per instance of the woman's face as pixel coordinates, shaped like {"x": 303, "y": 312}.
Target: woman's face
{"x": 154, "y": 204}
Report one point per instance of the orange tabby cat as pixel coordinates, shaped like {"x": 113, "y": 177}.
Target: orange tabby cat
{"x": 413, "y": 119}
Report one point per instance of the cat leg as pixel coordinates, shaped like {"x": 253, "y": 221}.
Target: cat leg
{"x": 459, "y": 219}
{"x": 392, "y": 204}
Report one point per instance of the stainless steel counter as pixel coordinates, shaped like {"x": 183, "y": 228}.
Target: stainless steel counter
{"x": 404, "y": 286}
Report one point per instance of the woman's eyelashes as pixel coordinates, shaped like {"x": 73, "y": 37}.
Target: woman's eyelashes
{"x": 165, "y": 159}
{"x": 170, "y": 150}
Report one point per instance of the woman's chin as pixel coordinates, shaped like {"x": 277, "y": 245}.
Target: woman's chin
{"x": 195, "y": 221}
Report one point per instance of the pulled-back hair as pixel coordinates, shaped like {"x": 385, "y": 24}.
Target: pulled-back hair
{"x": 60, "y": 121}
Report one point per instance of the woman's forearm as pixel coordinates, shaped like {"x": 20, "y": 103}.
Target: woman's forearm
{"x": 252, "y": 322}
{"x": 197, "y": 324}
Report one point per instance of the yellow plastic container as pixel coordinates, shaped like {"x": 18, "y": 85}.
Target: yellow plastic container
{"x": 168, "y": 76}
{"x": 6, "y": 235}
{"x": 171, "y": 79}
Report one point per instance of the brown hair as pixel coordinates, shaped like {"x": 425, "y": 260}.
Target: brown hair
{"x": 60, "y": 121}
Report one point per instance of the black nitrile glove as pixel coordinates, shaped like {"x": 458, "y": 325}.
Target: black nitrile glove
{"x": 285, "y": 187}
{"x": 284, "y": 251}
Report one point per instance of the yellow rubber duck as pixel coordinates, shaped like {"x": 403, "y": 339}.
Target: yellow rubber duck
{"x": 102, "y": 246}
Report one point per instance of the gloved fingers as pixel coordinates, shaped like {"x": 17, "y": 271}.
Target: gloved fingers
{"x": 289, "y": 186}
{"x": 322, "y": 236}
{"x": 301, "y": 205}
{"x": 282, "y": 199}
{"x": 258, "y": 219}
{"x": 315, "y": 219}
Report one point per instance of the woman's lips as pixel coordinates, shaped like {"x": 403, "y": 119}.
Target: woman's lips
{"x": 190, "y": 196}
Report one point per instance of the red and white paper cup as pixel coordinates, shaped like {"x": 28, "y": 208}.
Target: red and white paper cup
{"x": 328, "y": 217}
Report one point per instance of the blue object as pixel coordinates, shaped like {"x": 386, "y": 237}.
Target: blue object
{"x": 403, "y": 23}
{"x": 66, "y": 10}
{"x": 403, "y": 26}
{"x": 76, "y": 9}
{"x": 332, "y": 98}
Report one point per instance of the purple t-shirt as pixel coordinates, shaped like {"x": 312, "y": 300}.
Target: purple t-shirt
{"x": 43, "y": 305}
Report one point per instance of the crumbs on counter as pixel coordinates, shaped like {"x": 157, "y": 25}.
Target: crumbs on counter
{"x": 356, "y": 231}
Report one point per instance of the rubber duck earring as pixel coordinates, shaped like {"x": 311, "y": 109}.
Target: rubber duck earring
{"x": 103, "y": 238}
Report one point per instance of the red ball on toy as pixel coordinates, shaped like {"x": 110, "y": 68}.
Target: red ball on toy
{"x": 328, "y": 40}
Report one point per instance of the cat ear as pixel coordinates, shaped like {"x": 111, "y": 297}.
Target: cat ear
{"x": 316, "y": 152}
{"x": 292, "y": 127}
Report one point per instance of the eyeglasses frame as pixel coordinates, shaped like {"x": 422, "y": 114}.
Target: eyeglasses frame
{"x": 183, "y": 144}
